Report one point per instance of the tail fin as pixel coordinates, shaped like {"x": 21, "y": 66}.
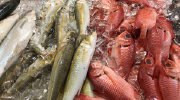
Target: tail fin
{"x": 158, "y": 68}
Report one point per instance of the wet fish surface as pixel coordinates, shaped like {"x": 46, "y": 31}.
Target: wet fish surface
{"x": 16, "y": 41}
{"x": 6, "y": 25}
{"x": 79, "y": 67}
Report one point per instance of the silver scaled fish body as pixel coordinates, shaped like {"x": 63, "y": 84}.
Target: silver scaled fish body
{"x": 87, "y": 88}
{"x": 83, "y": 19}
{"x": 79, "y": 67}
{"x": 47, "y": 22}
{"x": 61, "y": 66}
{"x": 6, "y": 25}
{"x": 61, "y": 23}
{"x": 34, "y": 71}
{"x": 16, "y": 41}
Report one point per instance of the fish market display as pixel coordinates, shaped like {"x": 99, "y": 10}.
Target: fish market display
{"x": 79, "y": 66}
{"x": 5, "y": 28}
{"x": 16, "y": 41}
{"x": 6, "y": 8}
{"x": 89, "y": 50}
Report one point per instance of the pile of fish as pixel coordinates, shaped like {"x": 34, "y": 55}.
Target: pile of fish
{"x": 89, "y": 50}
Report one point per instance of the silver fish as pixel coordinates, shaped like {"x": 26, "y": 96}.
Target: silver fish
{"x": 83, "y": 19}
{"x": 6, "y": 25}
{"x": 61, "y": 66}
{"x": 79, "y": 67}
{"x": 15, "y": 42}
{"x": 33, "y": 72}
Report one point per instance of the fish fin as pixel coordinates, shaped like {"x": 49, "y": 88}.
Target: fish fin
{"x": 158, "y": 68}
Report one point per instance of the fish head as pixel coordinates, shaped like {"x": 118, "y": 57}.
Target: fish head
{"x": 175, "y": 53}
{"x": 124, "y": 39}
{"x": 148, "y": 63}
{"x": 70, "y": 37}
{"x": 172, "y": 69}
{"x": 96, "y": 69}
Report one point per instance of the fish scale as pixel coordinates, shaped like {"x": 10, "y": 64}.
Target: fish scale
{"x": 79, "y": 67}
{"x": 61, "y": 66}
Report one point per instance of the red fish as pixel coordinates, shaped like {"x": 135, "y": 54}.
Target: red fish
{"x": 108, "y": 83}
{"x": 145, "y": 19}
{"x": 144, "y": 2}
{"x": 175, "y": 53}
{"x": 85, "y": 97}
{"x": 158, "y": 46}
{"x": 128, "y": 24}
{"x": 170, "y": 86}
{"x": 115, "y": 17}
{"x": 166, "y": 25}
{"x": 147, "y": 84}
{"x": 123, "y": 51}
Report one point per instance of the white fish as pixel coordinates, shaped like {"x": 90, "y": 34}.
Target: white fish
{"x": 15, "y": 42}
{"x": 6, "y": 25}
{"x": 79, "y": 67}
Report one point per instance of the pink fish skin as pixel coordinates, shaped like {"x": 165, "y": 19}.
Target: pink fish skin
{"x": 175, "y": 53}
{"x": 116, "y": 16}
{"x": 148, "y": 85}
{"x": 123, "y": 51}
{"x": 166, "y": 25}
{"x": 108, "y": 83}
{"x": 145, "y": 19}
{"x": 170, "y": 86}
{"x": 158, "y": 46}
{"x": 128, "y": 25}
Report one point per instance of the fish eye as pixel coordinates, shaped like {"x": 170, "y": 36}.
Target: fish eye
{"x": 122, "y": 29}
{"x": 148, "y": 61}
{"x": 168, "y": 64}
{"x": 128, "y": 35}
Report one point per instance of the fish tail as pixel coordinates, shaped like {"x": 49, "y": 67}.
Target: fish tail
{"x": 158, "y": 68}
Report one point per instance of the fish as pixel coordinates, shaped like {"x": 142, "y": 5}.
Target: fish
{"x": 166, "y": 25}
{"x": 61, "y": 66}
{"x": 115, "y": 17}
{"x": 169, "y": 86}
{"x": 82, "y": 16}
{"x": 148, "y": 85}
{"x": 34, "y": 71}
{"x": 175, "y": 53}
{"x": 47, "y": 22}
{"x": 87, "y": 88}
{"x": 123, "y": 51}
{"x": 6, "y": 8}
{"x": 108, "y": 83}
{"x": 61, "y": 22}
{"x": 5, "y": 28}
{"x": 159, "y": 44}
{"x": 145, "y": 19}
{"x": 16, "y": 41}
{"x": 128, "y": 25}
{"x": 15, "y": 70}
{"x": 79, "y": 66}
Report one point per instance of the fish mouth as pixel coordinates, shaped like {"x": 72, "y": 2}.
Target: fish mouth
{"x": 126, "y": 45}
